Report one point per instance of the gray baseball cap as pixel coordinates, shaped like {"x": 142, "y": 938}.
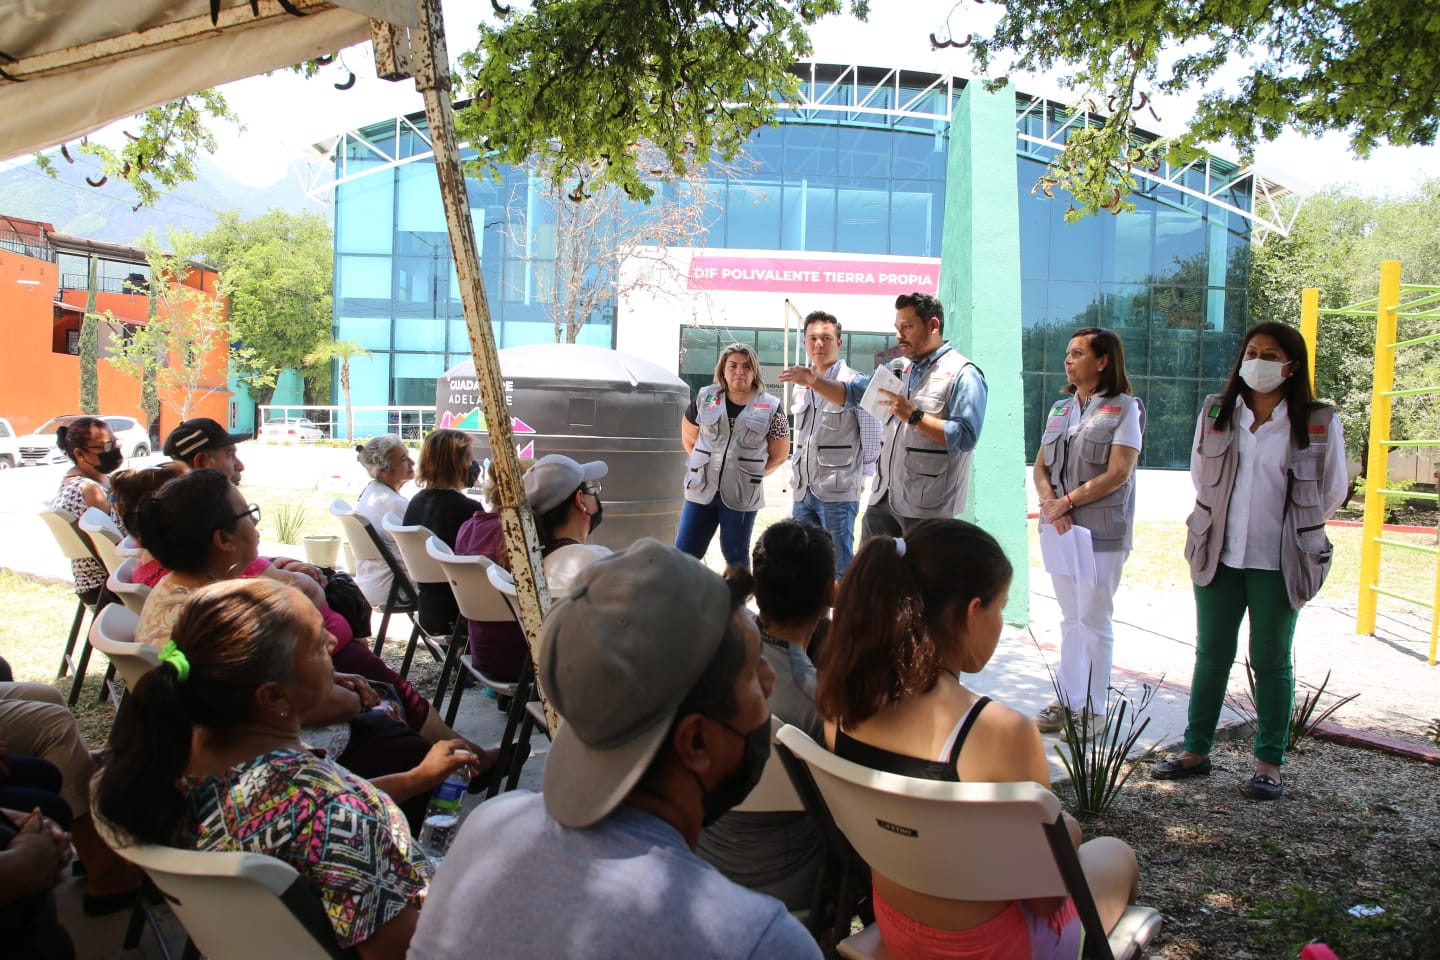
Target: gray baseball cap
{"x": 553, "y": 478}
{"x": 617, "y": 657}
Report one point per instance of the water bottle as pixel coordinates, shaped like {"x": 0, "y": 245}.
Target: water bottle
{"x": 442, "y": 817}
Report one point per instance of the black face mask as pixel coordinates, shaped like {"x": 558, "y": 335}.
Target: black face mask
{"x": 108, "y": 460}
{"x": 598, "y": 515}
{"x": 473, "y": 474}
{"x": 730, "y": 793}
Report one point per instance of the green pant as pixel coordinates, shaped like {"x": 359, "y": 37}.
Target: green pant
{"x": 1218, "y": 610}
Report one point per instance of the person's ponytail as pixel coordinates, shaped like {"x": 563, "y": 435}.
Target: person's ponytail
{"x": 138, "y": 789}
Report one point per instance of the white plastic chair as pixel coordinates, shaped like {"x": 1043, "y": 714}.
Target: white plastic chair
{"x": 478, "y": 600}
{"x": 235, "y": 906}
{"x": 961, "y": 841}
{"x": 423, "y": 569}
{"x": 123, "y": 585}
{"x": 128, "y": 547}
{"x": 525, "y": 715}
{"x": 113, "y": 634}
{"x": 365, "y": 543}
{"x": 104, "y": 536}
{"x": 74, "y": 545}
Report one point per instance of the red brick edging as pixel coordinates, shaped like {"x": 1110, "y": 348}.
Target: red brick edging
{"x": 1375, "y": 741}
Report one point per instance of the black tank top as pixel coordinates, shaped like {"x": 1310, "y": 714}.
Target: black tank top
{"x": 877, "y": 758}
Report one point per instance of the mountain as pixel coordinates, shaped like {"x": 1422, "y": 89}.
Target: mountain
{"x": 105, "y": 213}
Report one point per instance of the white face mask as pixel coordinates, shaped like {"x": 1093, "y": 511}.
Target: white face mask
{"x": 1262, "y": 375}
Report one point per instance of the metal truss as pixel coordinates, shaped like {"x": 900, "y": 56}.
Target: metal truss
{"x": 883, "y": 96}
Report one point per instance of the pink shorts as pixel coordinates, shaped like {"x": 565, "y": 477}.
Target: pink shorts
{"x": 1016, "y": 933}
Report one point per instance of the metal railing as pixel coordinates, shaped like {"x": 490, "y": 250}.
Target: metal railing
{"x": 408, "y": 422}
{"x": 1396, "y": 302}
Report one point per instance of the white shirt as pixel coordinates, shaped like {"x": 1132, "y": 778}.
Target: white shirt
{"x": 1257, "y": 501}
{"x": 373, "y": 576}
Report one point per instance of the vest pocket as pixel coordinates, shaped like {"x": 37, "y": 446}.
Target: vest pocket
{"x": 1315, "y": 554}
{"x": 835, "y": 455}
{"x": 1305, "y": 482}
{"x": 695, "y": 467}
{"x": 925, "y": 471}
{"x": 1211, "y": 469}
{"x": 1197, "y": 536}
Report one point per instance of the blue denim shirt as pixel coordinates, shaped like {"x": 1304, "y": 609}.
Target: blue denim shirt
{"x": 964, "y": 408}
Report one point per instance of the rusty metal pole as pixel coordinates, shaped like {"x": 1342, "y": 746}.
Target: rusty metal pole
{"x": 430, "y": 66}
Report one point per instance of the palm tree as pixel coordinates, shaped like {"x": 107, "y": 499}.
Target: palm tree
{"x": 344, "y": 351}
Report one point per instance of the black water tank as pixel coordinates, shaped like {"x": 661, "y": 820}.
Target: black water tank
{"x": 589, "y": 404}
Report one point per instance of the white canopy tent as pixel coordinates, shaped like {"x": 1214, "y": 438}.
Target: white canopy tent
{"x": 69, "y": 68}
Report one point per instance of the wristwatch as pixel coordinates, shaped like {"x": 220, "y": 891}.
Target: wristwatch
{"x": 916, "y": 416}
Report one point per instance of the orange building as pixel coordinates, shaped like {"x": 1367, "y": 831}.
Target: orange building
{"x": 43, "y": 277}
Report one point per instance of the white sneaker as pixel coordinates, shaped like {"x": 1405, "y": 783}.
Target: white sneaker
{"x": 1051, "y": 719}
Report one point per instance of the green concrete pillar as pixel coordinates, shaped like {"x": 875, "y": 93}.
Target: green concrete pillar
{"x": 980, "y": 289}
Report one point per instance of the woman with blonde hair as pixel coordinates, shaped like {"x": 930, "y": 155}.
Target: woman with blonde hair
{"x": 736, "y": 434}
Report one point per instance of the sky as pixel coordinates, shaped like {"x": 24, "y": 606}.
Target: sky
{"x": 284, "y": 114}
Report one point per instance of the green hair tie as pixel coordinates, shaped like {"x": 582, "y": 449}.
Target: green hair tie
{"x": 174, "y": 656}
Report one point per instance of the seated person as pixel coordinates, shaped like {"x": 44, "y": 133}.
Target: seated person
{"x": 35, "y": 722}
{"x": 913, "y": 615}
{"x": 447, "y": 468}
{"x": 388, "y": 461}
{"x": 128, "y": 488}
{"x": 206, "y": 755}
{"x": 654, "y": 663}
{"x": 33, "y": 853}
{"x": 496, "y": 649}
{"x": 565, "y": 497}
{"x": 200, "y": 528}
{"x": 94, "y": 454}
{"x": 781, "y": 853}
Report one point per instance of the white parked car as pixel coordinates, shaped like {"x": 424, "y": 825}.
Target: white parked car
{"x": 289, "y": 430}
{"x": 9, "y": 446}
{"x": 39, "y": 448}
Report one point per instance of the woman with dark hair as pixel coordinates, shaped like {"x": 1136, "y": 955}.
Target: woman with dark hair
{"x": 200, "y": 528}
{"x": 129, "y": 488}
{"x": 913, "y": 615}
{"x": 1268, "y": 466}
{"x": 447, "y": 468}
{"x": 206, "y": 754}
{"x": 780, "y": 853}
{"x": 736, "y": 434}
{"x": 1084, "y": 473}
{"x": 94, "y": 454}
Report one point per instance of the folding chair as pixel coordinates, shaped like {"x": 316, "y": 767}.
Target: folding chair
{"x": 112, "y": 632}
{"x": 961, "y": 841}
{"x": 128, "y": 547}
{"x": 365, "y": 543}
{"x": 104, "y": 536}
{"x": 122, "y": 584}
{"x": 234, "y": 906}
{"x": 444, "y": 648}
{"x": 525, "y": 715}
{"x": 477, "y": 600}
{"x": 75, "y": 546}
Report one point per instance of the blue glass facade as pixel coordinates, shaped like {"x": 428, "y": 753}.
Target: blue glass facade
{"x": 1169, "y": 276}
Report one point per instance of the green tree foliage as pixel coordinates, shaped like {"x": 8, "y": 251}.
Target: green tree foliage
{"x": 1337, "y": 245}
{"x": 278, "y": 272}
{"x": 1370, "y": 68}
{"x": 576, "y": 84}
{"x": 343, "y": 351}
{"x": 90, "y": 348}
{"x": 188, "y": 327}
{"x": 162, "y": 153}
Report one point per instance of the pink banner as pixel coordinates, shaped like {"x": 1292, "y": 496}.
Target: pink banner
{"x": 797, "y": 275}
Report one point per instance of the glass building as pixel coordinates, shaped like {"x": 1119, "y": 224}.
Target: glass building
{"x": 857, "y": 166}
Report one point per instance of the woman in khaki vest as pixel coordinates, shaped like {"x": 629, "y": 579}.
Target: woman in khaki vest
{"x": 1268, "y": 466}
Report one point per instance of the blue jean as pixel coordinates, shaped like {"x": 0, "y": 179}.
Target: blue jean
{"x": 838, "y": 519}
{"x": 697, "y": 527}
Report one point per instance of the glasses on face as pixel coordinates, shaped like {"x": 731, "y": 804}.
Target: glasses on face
{"x": 253, "y": 513}
{"x": 105, "y": 447}
{"x": 593, "y": 488}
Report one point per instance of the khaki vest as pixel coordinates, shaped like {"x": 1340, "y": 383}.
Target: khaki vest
{"x": 1305, "y": 550}
{"x": 827, "y": 459}
{"x": 1079, "y": 459}
{"x": 923, "y": 478}
{"x": 731, "y": 462}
